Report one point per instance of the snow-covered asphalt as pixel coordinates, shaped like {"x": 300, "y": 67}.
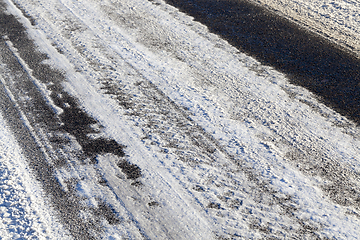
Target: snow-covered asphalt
{"x": 137, "y": 119}
{"x": 322, "y": 65}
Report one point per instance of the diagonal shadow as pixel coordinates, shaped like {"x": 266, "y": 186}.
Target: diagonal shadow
{"x": 308, "y": 60}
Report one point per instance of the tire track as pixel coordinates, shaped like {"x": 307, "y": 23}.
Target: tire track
{"x": 49, "y": 138}
{"x": 75, "y": 140}
{"x": 189, "y": 142}
{"x": 155, "y": 114}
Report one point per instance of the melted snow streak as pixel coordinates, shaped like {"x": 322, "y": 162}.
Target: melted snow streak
{"x": 309, "y": 60}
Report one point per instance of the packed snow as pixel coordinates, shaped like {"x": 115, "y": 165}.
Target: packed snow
{"x": 227, "y": 147}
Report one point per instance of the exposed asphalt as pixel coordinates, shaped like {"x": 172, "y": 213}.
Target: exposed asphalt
{"x": 28, "y": 114}
{"x": 307, "y": 59}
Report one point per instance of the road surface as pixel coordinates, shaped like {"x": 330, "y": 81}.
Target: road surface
{"x": 137, "y": 119}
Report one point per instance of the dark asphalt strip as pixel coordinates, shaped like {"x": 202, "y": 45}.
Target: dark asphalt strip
{"x": 65, "y": 203}
{"x": 27, "y": 117}
{"x": 308, "y": 60}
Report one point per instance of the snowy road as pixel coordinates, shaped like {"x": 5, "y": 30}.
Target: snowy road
{"x": 130, "y": 120}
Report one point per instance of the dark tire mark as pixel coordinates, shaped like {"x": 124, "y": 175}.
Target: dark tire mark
{"x": 108, "y": 212}
{"x": 66, "y": 205}
{"x": 73, "y": 121}
{"x": 102, "y": 146}
{"x": 153, "y": 204}
{"x": 163, "y": 118}
{"x": 78, "y": 123}
{"x": 131, "y": 170}
{"x": 309, "y": 61}
{"x": 199, "y": 188}
{"x": 214, "y": 205}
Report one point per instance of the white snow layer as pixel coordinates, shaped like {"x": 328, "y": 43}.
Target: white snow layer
{"x": 253, "y": 114}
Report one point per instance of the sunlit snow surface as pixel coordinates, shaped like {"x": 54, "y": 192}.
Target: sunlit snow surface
{"x": 227, "y": 147}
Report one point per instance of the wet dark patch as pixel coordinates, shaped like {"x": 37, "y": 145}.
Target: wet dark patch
{"x": 103, "y": 182}
{"x": 136, "y": 184}
{"x": 309, "y": 231}
{"x": 93, "y": 160}
{"x": 131, "y": 171}
{"x": 59, "y": 140}
{"x": 76, "y": 121}
{"x": 214, "y": 205}
{"x": 79, "y": 124}
{"x": 153, "y": 204}
{"x": 260, "y": 227}
{"x": 101, "y": 146}
{"x": 199, "y": 188}
{"x": 108, "y": 213}
{"x": 235, "y": 203}
{"x": 308, "y": 60}
{"x": 111, "y": 88}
